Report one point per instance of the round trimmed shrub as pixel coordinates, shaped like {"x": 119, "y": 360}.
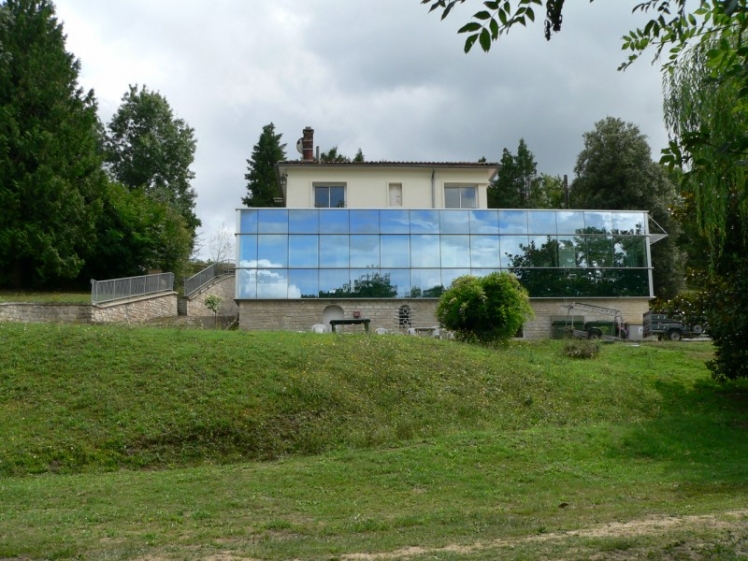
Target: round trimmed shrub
{"x": 486, "y": 309}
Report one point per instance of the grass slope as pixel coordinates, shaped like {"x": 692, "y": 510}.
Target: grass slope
{"x": 467, "y": 453}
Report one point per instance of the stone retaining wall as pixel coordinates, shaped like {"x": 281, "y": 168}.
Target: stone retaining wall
{"x": 301, "y": 315}
{"x": 138, "y": 310}
{"x": 224, "y": 288}
{"x": 44, "y": 313}
{"x": 130, "y": 311}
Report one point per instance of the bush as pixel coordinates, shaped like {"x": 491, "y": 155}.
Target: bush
{"x": 486, "y": 309}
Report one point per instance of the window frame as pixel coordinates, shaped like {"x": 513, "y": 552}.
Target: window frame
{"x": 461, "y": 187}
{"x": 329, "y": 185}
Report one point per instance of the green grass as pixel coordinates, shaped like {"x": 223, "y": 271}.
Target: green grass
{"x": 174, "y": 444}
{"x": 45, "y": 297}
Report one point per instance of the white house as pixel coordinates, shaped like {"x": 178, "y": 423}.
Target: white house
{"x": 382, "y": 240}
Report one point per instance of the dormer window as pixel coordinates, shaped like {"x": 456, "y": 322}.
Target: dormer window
{"x": 329, "y": 195}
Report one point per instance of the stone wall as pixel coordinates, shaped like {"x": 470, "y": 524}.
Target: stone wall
{"x": 301, "y": 315}
{"x": 45, "y": 313}
{"x": 546, "y": 310}
{"x": 224, "y": 288}
{"x": 138, "y": 310}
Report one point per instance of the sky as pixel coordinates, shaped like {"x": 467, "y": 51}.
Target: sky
{"x": 385, "y": 76}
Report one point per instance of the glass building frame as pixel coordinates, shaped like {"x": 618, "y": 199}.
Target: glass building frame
{"x": 288, "y": 254}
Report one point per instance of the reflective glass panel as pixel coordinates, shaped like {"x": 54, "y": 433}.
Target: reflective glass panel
{"x": 365, "y": 251}
{"x": 541, "y": 222}
{"x": 629, "y": 251}
{"x": 333, "y": 221}
{"x": 248, "y": 222}
{"x": 628, "y": 223}
{"x": 395, "y": 251}
{"x": 484, "y": 221}
{"x": 598, "y": 222}
{"x": 426, "y": 283}
{"x": 334, "y": 283}
{"x": 455, "y": 251}
{"x": 272, "y": 283}
{"x": 454, "y": 222}
{"x": 599, "y": 251}
{"x": 541, "y": 251}
{"x": 399, "y": 280}
{"x": 272, "y": 250}
{"x": 246, "y": 283}
{"x": 272, "y": 221}
{"x": 364, "y": 221}
{"x": 484, "y": 251}
{"x": 424, "y": 251}
{"x": 570, "y": 252}
{"x": 303, "y": 221}
{"x": 394, "y": 221}
{"x": 512, "y": 222}
{"x": 512, "y": 250}
{"x": 367, "y": 283}
{"x": 247, "y": 251}
{"x": 303, "y": 251}
{"x": 424, "y": 222}
{"x": 449, "y": 275}
{"x": 334, "y": 251}
{"x": 303, "y": 283}
{"x": 570, "y": 222}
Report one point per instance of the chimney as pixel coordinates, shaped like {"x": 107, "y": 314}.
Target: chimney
{"x": 307, "y": 145}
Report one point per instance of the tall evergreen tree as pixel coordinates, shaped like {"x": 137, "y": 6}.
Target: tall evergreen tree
{"x": 148, "y": 148}
{"x": 615, "y": 171}
{"x": 50, "y": 166}
{"x": 517, "y": 184}
{"x": 262, "y": 181}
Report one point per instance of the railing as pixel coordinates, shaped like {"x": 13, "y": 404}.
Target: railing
{"x": 117, "y": 289}
{"x": 192, "y": 284}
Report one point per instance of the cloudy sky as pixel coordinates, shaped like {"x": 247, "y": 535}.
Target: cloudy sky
{"x": 384, "y": 76}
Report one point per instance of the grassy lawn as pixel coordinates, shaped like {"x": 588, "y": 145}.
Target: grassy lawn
{"x": 45, "y": 297}
{"x": 157, "y": 444}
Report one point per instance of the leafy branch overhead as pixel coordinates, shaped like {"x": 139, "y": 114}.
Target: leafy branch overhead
{"x": 672, "y": 23}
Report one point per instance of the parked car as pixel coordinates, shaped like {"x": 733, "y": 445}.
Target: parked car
{"x": 669, "y": 328}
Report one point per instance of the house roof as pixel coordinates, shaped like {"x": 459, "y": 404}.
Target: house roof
{"x": 487, "y": 165}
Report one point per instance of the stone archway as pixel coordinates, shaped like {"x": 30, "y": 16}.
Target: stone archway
{"x": 331, "y": 312}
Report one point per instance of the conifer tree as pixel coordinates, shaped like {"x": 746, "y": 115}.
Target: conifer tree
{"x": 262, "y": 181}
{"x": 51, "y": 174}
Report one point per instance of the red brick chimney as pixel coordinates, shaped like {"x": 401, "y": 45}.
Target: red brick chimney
{"x": 307, "y": 145}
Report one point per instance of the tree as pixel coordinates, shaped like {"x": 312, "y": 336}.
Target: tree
{"x": 615, "y": 170}
{"x": 708, "y": 117}
{"x": 136, "y": 234}
{"x": 148, "y": 148}
{"x": 50, "y": 166}
{"x": 486, "y": 309}
{"x": 262, "y": 180}
{"x": 221, "y": 245}
{"x": 213, "y": 303}
{"x": 516, "y": 185}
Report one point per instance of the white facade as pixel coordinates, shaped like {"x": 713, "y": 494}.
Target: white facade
{"x": 388, "y": 184}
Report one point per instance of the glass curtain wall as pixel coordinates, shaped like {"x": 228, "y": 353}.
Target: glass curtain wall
{"x": 340, "y": 253}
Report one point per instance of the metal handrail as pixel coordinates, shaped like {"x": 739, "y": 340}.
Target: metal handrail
{"x": 193, "y": 284}
{"x": 118, "y": 289}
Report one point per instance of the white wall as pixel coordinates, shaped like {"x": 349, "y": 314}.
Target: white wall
{"x": 368, "y": 187}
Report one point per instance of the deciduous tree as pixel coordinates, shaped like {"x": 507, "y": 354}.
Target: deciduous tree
{"x": 149, "y": 148}
{"x": 262, "y": 180}
{"x": 615, "y": 171}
